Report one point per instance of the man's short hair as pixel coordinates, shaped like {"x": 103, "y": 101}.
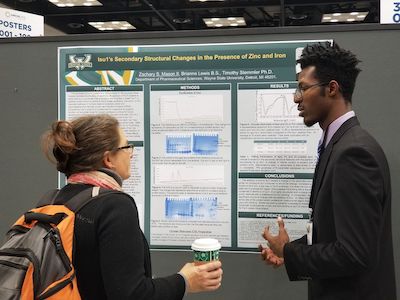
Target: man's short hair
{"x": 332, "y": 63}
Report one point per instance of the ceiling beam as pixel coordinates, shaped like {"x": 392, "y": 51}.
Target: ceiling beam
{"x": 159, "y": 14}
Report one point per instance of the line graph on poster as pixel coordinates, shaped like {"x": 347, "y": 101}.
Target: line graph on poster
{"x": 274, "y": 105}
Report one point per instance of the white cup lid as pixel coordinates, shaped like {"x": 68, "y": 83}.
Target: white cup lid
{"x": 206, "y": 245}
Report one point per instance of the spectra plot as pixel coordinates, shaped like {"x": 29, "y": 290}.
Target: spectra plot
{"x": 275, "y": 105}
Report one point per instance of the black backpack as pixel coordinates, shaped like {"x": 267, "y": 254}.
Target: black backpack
{"x": 36, "y": 259}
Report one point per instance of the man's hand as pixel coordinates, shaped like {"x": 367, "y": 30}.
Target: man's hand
{"x": 276, "y": 242}
{"x": 270, "y": 258}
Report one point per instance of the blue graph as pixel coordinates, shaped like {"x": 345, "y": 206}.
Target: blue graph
{"x": 191, "y": 207}
{"x": 205, "y": 144}
{"x": 178, "y": 144}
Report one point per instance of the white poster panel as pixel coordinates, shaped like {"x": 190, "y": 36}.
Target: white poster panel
{"x": 15, "y": 23}
{"x": 390, "y": 12}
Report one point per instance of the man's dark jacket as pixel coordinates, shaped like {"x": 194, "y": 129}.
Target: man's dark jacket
{"x": 351, "y": 256}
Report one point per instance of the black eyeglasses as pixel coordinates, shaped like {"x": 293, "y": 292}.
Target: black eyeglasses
{"x": 129, "y": 147}
{"x": 298, "y": 93}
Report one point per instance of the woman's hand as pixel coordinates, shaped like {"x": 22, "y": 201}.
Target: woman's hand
{"x": 204, "y": 277}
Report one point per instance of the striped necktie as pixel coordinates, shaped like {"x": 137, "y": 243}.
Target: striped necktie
{"x": 320, "y": 150}
{"x": 321, "y": 146}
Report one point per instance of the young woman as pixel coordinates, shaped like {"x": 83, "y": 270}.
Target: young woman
{"x": 112, "y": 257}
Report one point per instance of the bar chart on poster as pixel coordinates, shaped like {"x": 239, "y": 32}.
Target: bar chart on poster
{"x": 220, "y": 148}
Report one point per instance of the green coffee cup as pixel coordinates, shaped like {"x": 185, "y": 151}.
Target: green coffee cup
{"x": 205, "y": 250}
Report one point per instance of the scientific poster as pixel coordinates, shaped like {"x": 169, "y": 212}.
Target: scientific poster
{"x": 220, "y": 149}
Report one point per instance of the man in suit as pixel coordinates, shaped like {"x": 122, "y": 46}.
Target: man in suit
{"x": 347, "y": 253}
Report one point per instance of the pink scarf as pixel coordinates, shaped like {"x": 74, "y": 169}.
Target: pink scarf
{"x": 96, "y": 178}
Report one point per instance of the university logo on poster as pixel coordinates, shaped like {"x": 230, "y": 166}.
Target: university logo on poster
{"x": 80, "y": 62}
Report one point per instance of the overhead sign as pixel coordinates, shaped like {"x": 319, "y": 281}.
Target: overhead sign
{"x": 390, "y": 12}
{"x": 15, "y": 23}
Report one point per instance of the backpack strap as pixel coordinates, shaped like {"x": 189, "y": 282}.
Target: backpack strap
{"x": 77, "y": 202}
{"x": 48, "y": 198}
{"x": 44, "y": 218}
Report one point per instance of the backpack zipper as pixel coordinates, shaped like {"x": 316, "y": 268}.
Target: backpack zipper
{"x": 54, "y": 235}
{"x": 13, "y": 265}
{"x": 27, "y": 253}
{"x": 57, "y": 288}
{"x": 17, "y": 229}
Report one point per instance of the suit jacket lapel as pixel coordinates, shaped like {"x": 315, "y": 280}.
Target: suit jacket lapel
{"x": 324, "y": 159}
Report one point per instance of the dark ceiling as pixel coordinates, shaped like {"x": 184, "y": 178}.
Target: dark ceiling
{"x": 169, "y": 15}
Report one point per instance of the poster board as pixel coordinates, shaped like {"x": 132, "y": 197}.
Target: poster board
{"x": 226, "y": 150}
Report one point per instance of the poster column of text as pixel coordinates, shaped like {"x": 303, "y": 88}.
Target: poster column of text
{"x": 190, "y": 129}
{"x": 126, "y": 104}
{"x": 276, "y": 160}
